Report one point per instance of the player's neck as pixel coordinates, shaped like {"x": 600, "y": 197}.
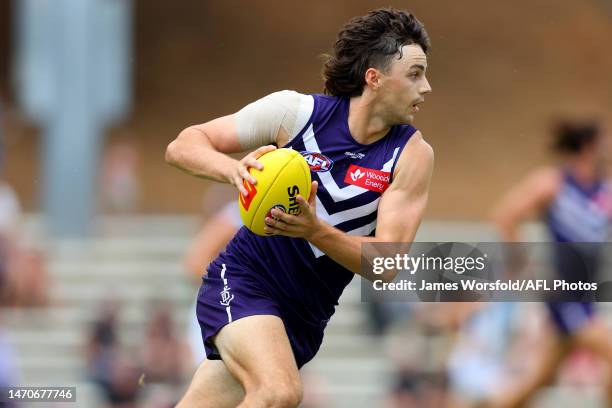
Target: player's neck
{"x": 585, "y": 170}
{"x": 365, "y": 124}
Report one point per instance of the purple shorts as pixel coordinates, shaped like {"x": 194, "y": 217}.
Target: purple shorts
{"x": 230, "y": 292}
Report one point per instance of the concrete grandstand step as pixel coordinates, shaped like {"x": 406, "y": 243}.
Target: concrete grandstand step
{"x": 345, "y": 378}
{"x": 359, "y": 395}
{"x": 86, "y": 293}
{"x": 339, "y": 366}
{"x": 68, "y": 363}
{"x": 34, "y": 338}
{"x": 120, "y": 248}
{"x": 69, "y": 338}
{"x": 348, "y": 345}
{"x": 55, "y": 317}
{"x": 112, "y": 269}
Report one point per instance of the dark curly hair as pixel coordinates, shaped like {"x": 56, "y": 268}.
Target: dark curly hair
{"x": 573, "y": 136}
{"x": 369, "y": 41}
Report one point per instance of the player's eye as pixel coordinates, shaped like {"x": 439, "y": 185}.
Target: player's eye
{"x": 414, "y": 75}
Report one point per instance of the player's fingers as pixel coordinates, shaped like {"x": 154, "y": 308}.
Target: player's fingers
{"x": 283, "y": 216}
{"x": 263, "y": 150}
{"x": 307, "y": 206}
{"x": 286, "y": 228}
{"x": 277, "y": 231}
{"x": 313, "y": 192}
{"x": 277, "y": 225}
{"x": 270, "y": 231}
{"x": 244, "y": 173}
{"x": 250, "y": 161}
{"x": 240, "y": 186}
{"x": 303, "y": 204}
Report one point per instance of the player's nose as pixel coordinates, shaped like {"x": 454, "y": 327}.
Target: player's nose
{"x": 426, "y": 88}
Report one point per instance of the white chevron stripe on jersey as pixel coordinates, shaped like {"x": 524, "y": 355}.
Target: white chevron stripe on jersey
{"x": 361, "y": 231}
{"x": 346, "y": 215}
{"x": 337, "y": 193}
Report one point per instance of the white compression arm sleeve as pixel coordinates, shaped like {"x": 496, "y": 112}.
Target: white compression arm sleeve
{"x": 258, "y": 123}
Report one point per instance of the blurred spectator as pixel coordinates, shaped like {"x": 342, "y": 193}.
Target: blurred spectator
{"x": 163, "y": 353}
{"x": 123, "y": 390}
{"x": 120, "y": 183}
{"x": 417, "y": 352}
{"x": 23, "y": 275}
{"x": 29, "y": 278}
{"x": 418, "y": 389}
{"x": 8, "y": 368}
{"x": 115, "y": 373}
{"x": 477, "y": 362}
{"x": 10, "y": 214}
{"x": 102, "y": 344}
{"x": 383, "y": 314}
{"x": 494, "y": 343}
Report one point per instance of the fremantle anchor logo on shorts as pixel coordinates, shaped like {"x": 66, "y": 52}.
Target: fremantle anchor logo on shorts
{"x": 226, "y": 296}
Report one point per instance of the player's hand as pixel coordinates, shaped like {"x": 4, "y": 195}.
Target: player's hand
{"x": 304, "y": 225}
{"x": 240, "y": 172}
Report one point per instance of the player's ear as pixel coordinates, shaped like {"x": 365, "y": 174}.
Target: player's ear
{"x": 372, "y": 78}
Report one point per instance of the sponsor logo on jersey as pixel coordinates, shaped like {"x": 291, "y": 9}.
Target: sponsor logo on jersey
{"x": 317, "y": 162}
{"x": 370, "y": 179}
{"x": 356, "y": 156}
{"x": 357, "y": 174}
{"x": 252, "y": 191}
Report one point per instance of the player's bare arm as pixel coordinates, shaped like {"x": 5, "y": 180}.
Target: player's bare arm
{"x": 202, "y": 151}
{"x": 400, "y": 212}
{"x": 527, "y": 199}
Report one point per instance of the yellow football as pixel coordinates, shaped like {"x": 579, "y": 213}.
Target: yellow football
{"x": 285, "y": 176}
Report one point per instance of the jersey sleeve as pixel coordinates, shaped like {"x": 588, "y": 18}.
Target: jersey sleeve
{"x": 258, "y": 123}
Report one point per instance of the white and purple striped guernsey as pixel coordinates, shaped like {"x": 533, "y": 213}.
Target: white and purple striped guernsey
{"x": 580, "y": 214}
{"x": 352, "y": 177}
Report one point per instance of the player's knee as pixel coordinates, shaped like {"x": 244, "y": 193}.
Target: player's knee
{"x": 282, "y": 395}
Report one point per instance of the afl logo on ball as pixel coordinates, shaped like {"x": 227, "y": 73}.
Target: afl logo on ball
{"x": 269, "y": 213}
{"x": 317, "y": 162}
{"x": 277, "y": 206}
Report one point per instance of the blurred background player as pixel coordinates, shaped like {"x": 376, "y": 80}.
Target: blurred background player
{"x": 575, "y": 201}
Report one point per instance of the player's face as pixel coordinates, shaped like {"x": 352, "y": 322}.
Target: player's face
{"x": 602, "y": 149}
{"x": 404, "y": 85}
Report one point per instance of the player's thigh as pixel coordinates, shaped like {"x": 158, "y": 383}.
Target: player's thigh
{"x": 257, "y": 352}
{"x": 212, "y": 386}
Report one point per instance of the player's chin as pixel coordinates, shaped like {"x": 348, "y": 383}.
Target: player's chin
{"x": 408, "y": 119}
